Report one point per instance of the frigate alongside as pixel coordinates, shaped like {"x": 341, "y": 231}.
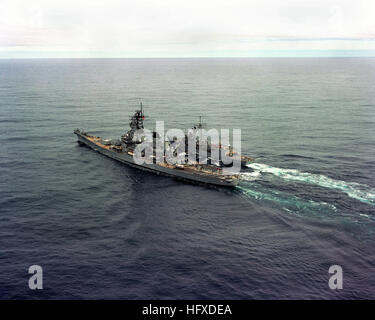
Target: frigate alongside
{"x": 210, "y": 173}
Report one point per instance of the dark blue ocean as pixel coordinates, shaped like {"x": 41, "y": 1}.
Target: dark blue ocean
{"x": 102, "y": 230}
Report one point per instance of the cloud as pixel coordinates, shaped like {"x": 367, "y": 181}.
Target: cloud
{"x": 178, "y": 28}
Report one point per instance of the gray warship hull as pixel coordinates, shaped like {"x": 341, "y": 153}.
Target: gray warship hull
{"x": 124, "y": 157}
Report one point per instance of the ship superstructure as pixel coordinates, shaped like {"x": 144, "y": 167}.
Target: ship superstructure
{"x": 210, "y": 172}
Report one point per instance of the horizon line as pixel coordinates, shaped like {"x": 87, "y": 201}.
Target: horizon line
{"x": 187, "y": 57}
{"x": 317, "y": 53}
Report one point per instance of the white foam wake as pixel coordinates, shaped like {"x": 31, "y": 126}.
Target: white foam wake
{"x": 298, "y": 204}
{"x": 250, "y": 176}
{"x": 354, "y": 190}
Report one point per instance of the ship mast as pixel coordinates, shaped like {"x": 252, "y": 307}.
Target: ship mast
{"x": 136, "y": 123}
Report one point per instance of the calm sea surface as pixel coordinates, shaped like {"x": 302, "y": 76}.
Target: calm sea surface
{"x": 101, "y": 229}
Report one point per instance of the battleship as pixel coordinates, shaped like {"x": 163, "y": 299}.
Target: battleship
{"x": 210, "y": 172}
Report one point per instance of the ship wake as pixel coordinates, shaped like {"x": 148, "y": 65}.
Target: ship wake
{"x": 354, "y": 190}
{"x": 288, "y": 203}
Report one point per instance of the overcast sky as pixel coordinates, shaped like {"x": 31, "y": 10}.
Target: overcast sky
{"x": 173, "y": 28}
